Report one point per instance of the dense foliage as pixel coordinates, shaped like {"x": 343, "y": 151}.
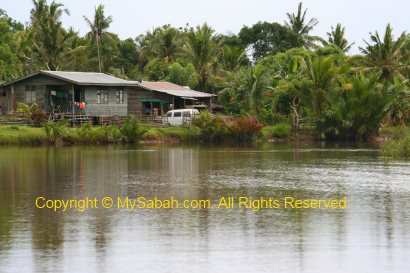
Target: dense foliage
{"x": 279, "y": 73}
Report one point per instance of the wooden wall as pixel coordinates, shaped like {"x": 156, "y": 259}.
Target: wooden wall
{"x": 111, "y": 108}
{"x": 137, "y": 94}
{"x": 133, "y": 97}
{"x": 40, "y": 81}
{"x": 3, "y": 101}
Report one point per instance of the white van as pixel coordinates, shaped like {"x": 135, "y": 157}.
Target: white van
{"x": 179, "y": 117}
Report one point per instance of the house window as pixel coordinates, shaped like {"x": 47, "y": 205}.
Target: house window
{"x": 120, "y": 96}
{"x": 30, "y": 95}
{"x": 102, "y": 96}
{"x": 79, "y": 95}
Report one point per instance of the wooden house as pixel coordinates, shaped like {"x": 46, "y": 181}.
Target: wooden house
{"x": 97, "y": 94}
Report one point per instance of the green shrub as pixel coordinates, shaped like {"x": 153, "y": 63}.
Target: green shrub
{"x": 271, "y": 117}
{"x": 152, "y": 134}
{"x": 278, "y": 130}
{"x": 112, "y": 133}
{"x": 397, "y": 132}
{"x": 399, "y": 148}
{"x": 213, "y": 127}
{"x": 192, "y": 134}
{"x": 23, "y": 109}
{"x": 85, "y": 132}
{"x": 56, "y": 130}
{"x": 130, "y": 130}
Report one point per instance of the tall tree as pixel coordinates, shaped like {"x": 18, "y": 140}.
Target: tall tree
{"x": 163, "y": 44}
{"x": 265, "y": 38}
{"x": 202, "y": 51}
{"x": 9, "y": 63}
{"x": 387, "y": 55}
{"x": 299, "y": 24}
{"x": 321, "y": 72}
{"x": 49, "y": 39}
{"x": 337, "y": 38}
{"x": 232, "y": 57}
{"x": 245, "y": 90}
{"x": 98, "y": 33}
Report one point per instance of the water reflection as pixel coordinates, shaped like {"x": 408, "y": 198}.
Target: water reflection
{"x": 372, "y": 235}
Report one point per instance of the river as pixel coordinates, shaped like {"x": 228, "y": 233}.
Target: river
{"x": 371, "y": 235}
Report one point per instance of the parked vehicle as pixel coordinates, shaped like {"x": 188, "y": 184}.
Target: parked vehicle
{"x": 179, "y": 117}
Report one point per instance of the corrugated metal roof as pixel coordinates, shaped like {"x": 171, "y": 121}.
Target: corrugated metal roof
{"x": 174, "y": 89}
{"x": 89, "y": 78}
{"x": 82, "y": 78}
{"x": 93, "y": 78}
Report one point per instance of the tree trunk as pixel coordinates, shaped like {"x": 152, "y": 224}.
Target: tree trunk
{"x": 99, "y": 55}
{"x": 296, "y": 119}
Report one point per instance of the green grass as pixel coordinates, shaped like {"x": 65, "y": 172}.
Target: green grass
{"x": 397, "y": 148}
{"x": 281, "y": 130}
{"x": 94, "y": 135}
{"x": 152, "y": 134}
{"x": 396, "y": 132}
{"x": 25, "y": 135}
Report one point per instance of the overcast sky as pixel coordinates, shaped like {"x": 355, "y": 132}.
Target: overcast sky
{"x": 133, "y": 17}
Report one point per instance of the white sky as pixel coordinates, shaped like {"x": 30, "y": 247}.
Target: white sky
{"x": 134, "y": 17}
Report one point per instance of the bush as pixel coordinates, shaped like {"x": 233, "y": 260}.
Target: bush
{"x": 399, "y": 148}
{"x": 130, "y": 130}
{"x": 23, "y": 109}
{"x": 213, "y": 128}
{"x": 152, "y": 134}
{"x": 85, "y": 133}
{"x": 278, "y": 130}
{"x": 37, "y": 115}
{"x": 56, "y": 130}
{"x": 112, "y": 133}
{"x": 271, "y": 117}
{"x": 193, "y": 134}
{"x": 397, "y": 132}
{"x": 244, "y": 128}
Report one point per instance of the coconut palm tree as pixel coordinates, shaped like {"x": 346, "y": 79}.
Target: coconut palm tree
{"x": 42, "y": 11}
{"x": 246, "y": 89}
{"x": 337, "y": 38}
{"x": 298, "y": 23}
{"x": 232, "y": 57}
{"x": 98, "y": 33}
{"x": 321, "y": 72}
{"x": 388, "y": 56}
{"x": 166, "y": 43}
{"x": 202, "y": 51}
{"x": 49, "y": 39}
{"x": 163, "y": 44}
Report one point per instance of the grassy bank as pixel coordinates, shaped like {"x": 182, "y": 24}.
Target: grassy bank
{"x": 213, "y": 130}
{"x": 24, "y": 135}
{"x": 395, "y": 133}
{"x": 397, "y": 148}
{"x": 281, "y": 130}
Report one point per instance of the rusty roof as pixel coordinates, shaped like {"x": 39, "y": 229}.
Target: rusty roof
{"x": 174, "y": 89}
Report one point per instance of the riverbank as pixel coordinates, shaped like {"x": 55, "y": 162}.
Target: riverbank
{"x": 99, "y": 135}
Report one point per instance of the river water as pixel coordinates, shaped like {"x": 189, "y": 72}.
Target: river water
{"x": 371, "y": 235}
